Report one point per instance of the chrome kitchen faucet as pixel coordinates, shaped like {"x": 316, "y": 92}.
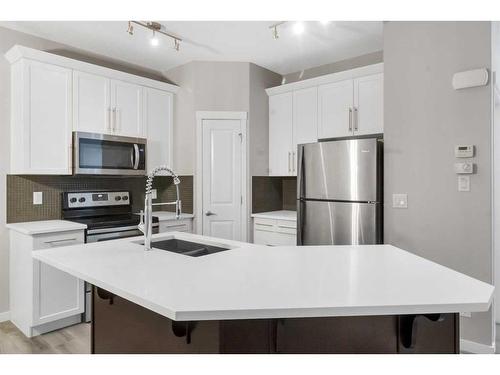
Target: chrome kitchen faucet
{"x": 145, "y": 226}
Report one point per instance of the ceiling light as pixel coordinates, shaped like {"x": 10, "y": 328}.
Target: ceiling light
{"x": 324, "y": 23}
{"x": 298, "y": 28}
{"x": 156, "y": 28}
{"x": 154, "y": 40}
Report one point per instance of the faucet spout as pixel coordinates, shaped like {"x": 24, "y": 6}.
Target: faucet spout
{"x": 146, "y": 226}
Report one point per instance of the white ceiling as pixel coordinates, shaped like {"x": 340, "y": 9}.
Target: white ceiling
{"x": 249, "y": 41}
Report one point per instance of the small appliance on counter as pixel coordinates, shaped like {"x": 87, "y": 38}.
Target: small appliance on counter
{"x": 339, "y": 192}
{"x": 108, "y": 216}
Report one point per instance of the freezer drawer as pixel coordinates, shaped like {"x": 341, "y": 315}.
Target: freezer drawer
{"x": 339, "y": 223}
{"x": 347, "y": 170}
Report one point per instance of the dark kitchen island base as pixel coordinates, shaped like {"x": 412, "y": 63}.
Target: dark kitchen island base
{"x": 120, "y": 326}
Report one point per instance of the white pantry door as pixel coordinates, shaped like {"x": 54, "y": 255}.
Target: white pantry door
{"x": 222, "y": 199}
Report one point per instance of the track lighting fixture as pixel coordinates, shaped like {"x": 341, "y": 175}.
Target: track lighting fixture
{"x": 156, "y": 28}
{"x": 130, "y": 28}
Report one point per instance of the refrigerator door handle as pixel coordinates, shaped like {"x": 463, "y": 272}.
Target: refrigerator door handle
{"x": 300, "y": 221}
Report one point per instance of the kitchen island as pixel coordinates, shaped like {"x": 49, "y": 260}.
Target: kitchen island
{"x": 257, "y": 299}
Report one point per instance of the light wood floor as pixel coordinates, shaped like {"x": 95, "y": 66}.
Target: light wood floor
{"x": 69, "y": 340}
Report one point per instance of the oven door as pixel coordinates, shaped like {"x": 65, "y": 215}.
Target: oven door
{"x": 95, "y": 153}
{"x": 108, "y": 234}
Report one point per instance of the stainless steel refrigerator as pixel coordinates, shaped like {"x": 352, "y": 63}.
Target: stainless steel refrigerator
{"x": 339, "y": 189}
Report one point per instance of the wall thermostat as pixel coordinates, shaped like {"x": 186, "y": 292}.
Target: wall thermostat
{"x": 464, "y": 151}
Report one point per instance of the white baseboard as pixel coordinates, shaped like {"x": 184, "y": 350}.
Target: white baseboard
{"x": 4, "y": 316}
{"x": 476, "y": 348}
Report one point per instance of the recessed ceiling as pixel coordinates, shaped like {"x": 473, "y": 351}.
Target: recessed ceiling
{"x": 249, "y": 41}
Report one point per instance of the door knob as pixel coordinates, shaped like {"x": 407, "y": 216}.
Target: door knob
{"x": 209, "y": 213}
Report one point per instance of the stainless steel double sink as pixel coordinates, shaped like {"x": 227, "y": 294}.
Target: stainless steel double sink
{"x": 188, "y": 248}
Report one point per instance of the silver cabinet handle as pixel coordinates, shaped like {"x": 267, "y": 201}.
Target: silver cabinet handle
{"x": 289, "y": 169}
{"x": 355, "y": 119}
{"x": 350, "y": 119}
{"x": 209, "y": 213}
{"x": 114, "y": 119}
{"x": 60, "y": 241}
{"x": 293, "y": 161}
{"x": 109, "y": 120}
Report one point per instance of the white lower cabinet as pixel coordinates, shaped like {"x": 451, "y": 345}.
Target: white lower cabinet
{"x": 43, "y": 298}
{"x": 273, "y": 232}
{"x": 182, "y": 225}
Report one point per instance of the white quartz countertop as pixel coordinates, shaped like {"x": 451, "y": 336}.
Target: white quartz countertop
{"x": 45, "y": 226}
{"x": 167, "y": 215}
{"x": 252, "y": 281}
{"x": 277, "y": 215}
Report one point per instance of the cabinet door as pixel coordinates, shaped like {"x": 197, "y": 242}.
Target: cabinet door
{"x": 280, "y": 134}
{"x": 335, "y": 101}
{"x": 369, "y": 105}
{"x": 127, "y": 107}
{"x": 45, "y": 128}
{"x": 91, "y": 103}
{"x": 56, "y": 294}
{"x": 158, "y": 122}
{"x": 305, "y": 120}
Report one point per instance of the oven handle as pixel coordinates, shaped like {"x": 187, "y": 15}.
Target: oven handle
{"x": 114, "y": 230}
{"x": 137, "y": 156}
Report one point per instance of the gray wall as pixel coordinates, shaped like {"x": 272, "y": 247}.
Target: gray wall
{"x": 221, "y": 86}
{"x": 424, "y": 119}
{"x": 258, "y": 118}
{"x": 8, "y": 38}
{"x": 338, "y": 66}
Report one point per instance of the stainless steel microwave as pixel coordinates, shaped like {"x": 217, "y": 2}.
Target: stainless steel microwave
{"x": 105, "y": 154}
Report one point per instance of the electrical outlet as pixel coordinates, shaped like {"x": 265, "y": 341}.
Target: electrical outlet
{"x": 37, "y": 197}
{"x": 153, "y": 194}
{"x": 399, "y": 200}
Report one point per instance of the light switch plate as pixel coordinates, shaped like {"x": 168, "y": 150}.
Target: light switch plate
{"x": 399, "y": 200}
{"x": 466, "y": 167}
{"x": 463, "y": 183}
{"x": 37, "y": 197}
{"x": 153, "y": 194}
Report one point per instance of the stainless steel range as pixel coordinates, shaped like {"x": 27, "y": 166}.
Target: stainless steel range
{"x": 108, "y": 216}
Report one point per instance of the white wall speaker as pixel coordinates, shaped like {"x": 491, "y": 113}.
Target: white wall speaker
{"x": 470, "y": 78}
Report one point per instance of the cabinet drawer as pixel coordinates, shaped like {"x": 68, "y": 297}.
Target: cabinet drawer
{"x": 266, "y": 225}
{"x": 176, "y": 226}
{"x": 50, "y": 240}
{"x": 285, "y": 226}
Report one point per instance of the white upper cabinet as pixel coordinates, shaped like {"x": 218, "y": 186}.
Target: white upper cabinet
{"x": 344, "y": 104}
{"x": 369, "y": 105}
{"x": 305, "y": 116}
{"x": 40, "y": 118}
{"x": 280, "y": 134}
{"x": 127, "y": 109}
{"x": 335, "y": 109}
{"x": 158, "y": 122}
{"x": 91, "y": 103}
{"x": 103, "y": 105}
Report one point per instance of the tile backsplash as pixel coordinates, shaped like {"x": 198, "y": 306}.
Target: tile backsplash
{"x": 20, "y": 190}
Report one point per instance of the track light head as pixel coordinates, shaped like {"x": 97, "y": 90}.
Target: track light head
{"x": 130, "y": 29}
